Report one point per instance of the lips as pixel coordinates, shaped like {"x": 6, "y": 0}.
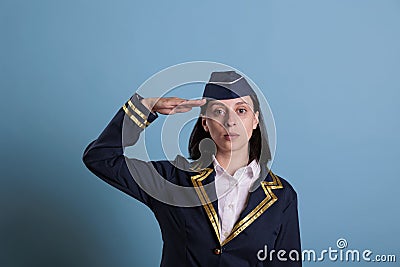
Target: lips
{"x": 231, "y": 136}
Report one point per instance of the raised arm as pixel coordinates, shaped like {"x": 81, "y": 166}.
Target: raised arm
{"x": 105, "y": 156}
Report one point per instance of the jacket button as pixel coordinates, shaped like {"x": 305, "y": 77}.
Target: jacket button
{"x": 217, "y": 251}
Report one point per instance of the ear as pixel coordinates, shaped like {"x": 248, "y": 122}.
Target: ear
{"x": 204, "y": 123}
{"x": 255, "y": 120}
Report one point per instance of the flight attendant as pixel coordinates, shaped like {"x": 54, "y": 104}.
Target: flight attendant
{"x": 246, "y": 215}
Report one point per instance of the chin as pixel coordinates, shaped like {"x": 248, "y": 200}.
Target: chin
{"x": 233, "y": 148}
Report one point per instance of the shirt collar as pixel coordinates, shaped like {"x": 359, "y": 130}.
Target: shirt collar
{"x": 253, "y": 167}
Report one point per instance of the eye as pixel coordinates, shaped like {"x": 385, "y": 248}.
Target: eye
{"x": 242, "y": 110}
{"x": 219, "y": 112}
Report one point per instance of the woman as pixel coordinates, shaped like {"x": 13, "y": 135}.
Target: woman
{"x": 248, "y": 215}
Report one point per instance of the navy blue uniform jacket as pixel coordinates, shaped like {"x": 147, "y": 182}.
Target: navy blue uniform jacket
{"x": 190, "y": 234}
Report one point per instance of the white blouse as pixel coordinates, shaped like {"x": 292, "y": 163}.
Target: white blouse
{"x": 232, "y": 193}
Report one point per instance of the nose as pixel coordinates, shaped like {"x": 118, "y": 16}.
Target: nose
{"x": 230, "y": 119}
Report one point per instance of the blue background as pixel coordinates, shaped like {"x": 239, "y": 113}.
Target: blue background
{"x": 329, "y": 69}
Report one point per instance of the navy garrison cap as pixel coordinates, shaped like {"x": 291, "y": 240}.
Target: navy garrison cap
{"x": 227, "y": 85}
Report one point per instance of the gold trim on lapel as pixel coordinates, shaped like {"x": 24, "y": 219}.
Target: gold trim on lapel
{"x": 270, "y": 198}
{"x": 205, "y": 200}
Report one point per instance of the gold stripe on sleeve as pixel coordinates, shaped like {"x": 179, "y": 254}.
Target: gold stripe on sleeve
{"x": 133, "y": 118}
{"x": 132, "y": 106}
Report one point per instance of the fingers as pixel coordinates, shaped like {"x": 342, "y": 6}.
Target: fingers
{"x": 192, "y": 103}
{"x": 173, "y": 102}
{"x": 180, "y": 109}
{"x": 195, "y": 103}
{"x": 188, "y": 105}
{"x": 172, "y": 105}
{"x": 173, "y": 111}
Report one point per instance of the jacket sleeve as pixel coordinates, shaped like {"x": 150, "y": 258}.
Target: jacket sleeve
{"x": 105, "y": 156}
{"x": 288, "y": 238}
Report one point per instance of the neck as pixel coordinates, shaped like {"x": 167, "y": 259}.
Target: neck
{"x": 231, "y": 161}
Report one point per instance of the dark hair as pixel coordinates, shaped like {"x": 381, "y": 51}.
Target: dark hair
{"x": 258, "y": 143}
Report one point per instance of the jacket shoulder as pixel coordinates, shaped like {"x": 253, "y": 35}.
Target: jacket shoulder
{"x": 287, "y": 189}
{"x": 170, "y": 168}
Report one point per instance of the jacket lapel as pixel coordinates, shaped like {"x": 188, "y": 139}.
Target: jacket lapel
{"x": 206, "y": 191}
{"x": 258, "y": 202}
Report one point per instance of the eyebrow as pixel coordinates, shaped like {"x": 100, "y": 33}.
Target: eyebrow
{"x": 236, "y": 104}
{"x": 241, "y": 103}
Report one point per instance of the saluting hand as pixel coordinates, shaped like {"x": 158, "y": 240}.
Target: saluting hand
{"x": 171, "y": 105}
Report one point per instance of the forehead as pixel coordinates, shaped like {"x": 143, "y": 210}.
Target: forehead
{"x": 232, "y": 102}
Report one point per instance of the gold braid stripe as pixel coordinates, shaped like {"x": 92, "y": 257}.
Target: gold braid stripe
{"x": 133, "y": 118}
{"x": 209, "y": 204}
{"x": 132, "y": 106}
{"x": 270, "y": 199}
{"x": 276, "y": 183}
{"x": 209, "y": 208}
